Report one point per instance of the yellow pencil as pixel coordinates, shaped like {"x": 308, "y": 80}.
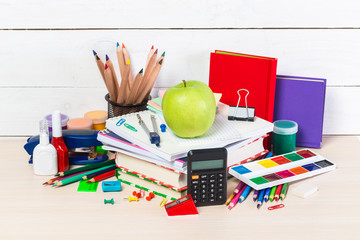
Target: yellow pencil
{"x": 127, "y": 58}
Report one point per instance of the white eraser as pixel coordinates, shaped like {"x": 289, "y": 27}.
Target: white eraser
{"x": 304, "y": 190}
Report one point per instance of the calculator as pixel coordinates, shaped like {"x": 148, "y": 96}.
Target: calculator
{"x": 207, "y": 176}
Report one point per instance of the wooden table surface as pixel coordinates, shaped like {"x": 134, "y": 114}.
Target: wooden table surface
{"x": 29, "y": 210}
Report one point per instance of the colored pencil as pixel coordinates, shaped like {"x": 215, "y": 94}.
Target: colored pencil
{"x": 235, "y": 200}
{"x": 51, "y": 180}
{"x": 106, "y": 170}
{"x": 150, "y": 82}
{"x": 113, "y": 74}
{"x": 269, "y": 155}
{"x": 272, "y": 193}
{"x": 236, "y": 190}
{"x": 261, "y": 198}
{"x": 110, "y": 84}
{"x": 151, "y": 52}
{"x": 244, "y": 194}
{"x": 134, "y": 89}
{"x": 127, "y": 58}
{"x": 76, "y": 178}
{"x": 69, "y": 176}
{"x": 100, "y": 65}
{"x": 85, "y": 168}
{"x": 267, "y": 193}
{"x": 255, "y": 196}
{"x": 284, "y": 191}
{"x": 127, "y": 76}
{"x": 277, "y": 192}
{"x": 145, "y": 80}
{"x": 124, "y": 83}
{"x": 102, "y": 176}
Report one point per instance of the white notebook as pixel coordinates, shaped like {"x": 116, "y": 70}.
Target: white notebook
{"x": 171, "y": 147}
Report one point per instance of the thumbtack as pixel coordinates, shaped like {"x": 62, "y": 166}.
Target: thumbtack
{"x": 151, "y": 196}
{"x": 163, "y": 127}
{"x": 109, "y": 201}
{"x": 132, "y": 199}
{"x": 136, "y": 194}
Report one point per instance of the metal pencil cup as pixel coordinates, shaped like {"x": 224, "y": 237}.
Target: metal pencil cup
{"x": 116, "y": 109}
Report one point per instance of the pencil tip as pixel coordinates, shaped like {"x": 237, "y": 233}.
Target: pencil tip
{"x": 107, "y": 57}
{"x": 163, "y": 55}
{"x": 128, "y": 62}
{"x": 117, "y": 44}
{"x": 97, "y": 57}
{"x": 152, "y": 47}
{"x": 123, "y": 46}
{"x": 141, "y": 71}
{"x": 94, "y": 52}
{"x": 156, "y": 51}
{"x": 106, "y": 66}
{"x": 161, "y": 61}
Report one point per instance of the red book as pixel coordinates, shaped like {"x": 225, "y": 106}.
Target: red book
{"x": 230, "y": 72}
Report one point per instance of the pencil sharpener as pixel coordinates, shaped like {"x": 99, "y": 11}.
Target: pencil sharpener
{"x": 111, "y": 186}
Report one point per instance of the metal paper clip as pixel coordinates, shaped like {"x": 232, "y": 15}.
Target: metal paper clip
{"x": 242, "y": 113}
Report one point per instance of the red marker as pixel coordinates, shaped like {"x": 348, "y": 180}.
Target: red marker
{"x": 58, "y": 142}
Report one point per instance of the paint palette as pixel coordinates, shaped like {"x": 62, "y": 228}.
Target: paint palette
{"x": 282, "y": 169}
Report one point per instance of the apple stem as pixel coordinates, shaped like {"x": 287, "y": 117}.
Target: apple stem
{"x": 184, "y": 83}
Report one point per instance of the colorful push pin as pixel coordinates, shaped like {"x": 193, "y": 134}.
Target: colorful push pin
{"x": 109, "y": 201}
{"x": 136, "y": 194}
{"x": 151, "y": 196}
{"x": 163, "y": 127}
{"x": 132, "y": 199}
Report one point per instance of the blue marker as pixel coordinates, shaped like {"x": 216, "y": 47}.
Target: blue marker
{"x": 245, "y": 194}
{"x": 260, "y": 198}
{"x": 267, "y": 193}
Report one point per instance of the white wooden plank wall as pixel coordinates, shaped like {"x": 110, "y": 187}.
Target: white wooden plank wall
{"x": 47, "y": 63}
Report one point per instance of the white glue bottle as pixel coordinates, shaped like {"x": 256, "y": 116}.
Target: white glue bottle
{"x": 44, "y": 155}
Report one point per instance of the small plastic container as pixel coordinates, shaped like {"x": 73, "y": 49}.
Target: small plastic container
{"x": 64, "y": 120}
{"x": 80, "y": 123}
{"x": 98, "y": 118}
{"x": 284, "y": 137}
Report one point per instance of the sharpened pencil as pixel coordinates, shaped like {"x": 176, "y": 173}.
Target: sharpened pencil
{"x": 127, "y": 58}
{"x": 85, "y": 168}
{"x": 284, "y": 191}
{"x": 113, "y": 74}
{"x": 272, "y": 193}
{"x": 267, "y": 193}
{"x": 147, "y": 73}
{"x": 100, "y": 65}
{"x": 236, "y": 190}
{"x": 255, "y": 196}
{"x": 106, "y": 170}
{"x": 134, "y": 89}
{"x": 110, "y": 84}
{"x": 277, "y": 192}
{"x": 260, "y": 199}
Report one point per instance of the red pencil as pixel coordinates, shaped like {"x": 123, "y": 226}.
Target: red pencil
{"x": 277, "y": 192}
{"x": 102, "y": 177}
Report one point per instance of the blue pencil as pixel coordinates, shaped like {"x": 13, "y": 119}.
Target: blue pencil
{"x": 245, "y": 194}
{"x": 269, "y": 155}
{"x": 260, "y": 198}
{"x": 267, "y": 193}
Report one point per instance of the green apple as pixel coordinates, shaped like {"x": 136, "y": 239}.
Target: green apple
{"x": 189, "y": 108}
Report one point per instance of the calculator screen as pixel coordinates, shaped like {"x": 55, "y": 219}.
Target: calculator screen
{"x": 207, "y": 164}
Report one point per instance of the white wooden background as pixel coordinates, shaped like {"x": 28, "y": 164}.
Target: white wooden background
{"x": 46, "y": 59}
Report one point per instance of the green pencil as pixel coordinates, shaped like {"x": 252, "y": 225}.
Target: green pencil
{"x": 77, "y": 177}
{"x": 272, "y": 193}
{"x": 283, "y": 191}
{"x": 85, "y": 168}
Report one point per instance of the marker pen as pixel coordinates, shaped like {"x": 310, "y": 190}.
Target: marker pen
{"x": 58, "y": 142}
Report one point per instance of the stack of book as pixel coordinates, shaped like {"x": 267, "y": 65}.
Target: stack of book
{"x": 162, "y": 169}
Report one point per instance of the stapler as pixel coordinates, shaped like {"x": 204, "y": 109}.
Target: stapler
{"x": 82, "y": 145}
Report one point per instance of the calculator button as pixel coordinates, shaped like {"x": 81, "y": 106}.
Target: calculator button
{"x": 203, "y": 200}
{"x": 212, "y": 195}
{"x": 203, "y": 195}
{"x": 195, "y": 201}
{"x": 204, "y": 176}
{"x": 211, "y": 190}
{"x": 195, "y": 186}
{"x": 194, "y": 196}
{"x": 211, "y": 180}
{"x": 211, "y": 199}
{"x": 220, "y": 190}
{"x": 194, "y": 192}
{"x": 203, "y": 181}
{"x": 211, "y": 185}
{"x": 221, "y": 180}
{"x": 203, "y": 186}
{"x": 195, "y": 181}
{"x": 220, "y": 197}
{"x": 220, "y": 175}
{"x": 203, "y": 190}
{"x": 195, "y": 177}
{"x": 220, "y": 185}
{"x": 212, "y": 176}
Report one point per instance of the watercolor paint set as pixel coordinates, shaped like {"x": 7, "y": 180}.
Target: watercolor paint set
{"x": 282, "y": 169}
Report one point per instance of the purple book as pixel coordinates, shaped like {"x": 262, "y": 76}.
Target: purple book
{"x": 302, "y": 99}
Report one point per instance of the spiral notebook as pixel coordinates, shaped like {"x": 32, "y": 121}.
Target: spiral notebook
{"x": 172, "y": 147}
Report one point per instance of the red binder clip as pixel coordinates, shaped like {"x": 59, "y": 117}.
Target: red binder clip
{"x": 181, "y": 206}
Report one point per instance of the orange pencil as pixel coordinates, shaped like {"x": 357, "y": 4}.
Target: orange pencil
{"x": 137, "y": 81}
{"x": 100, "y": 65}
{"x": 102, "y": 176}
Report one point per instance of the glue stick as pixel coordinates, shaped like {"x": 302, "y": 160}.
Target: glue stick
{"x": 45, "y": 156}
{"x": 58, "y": 142}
